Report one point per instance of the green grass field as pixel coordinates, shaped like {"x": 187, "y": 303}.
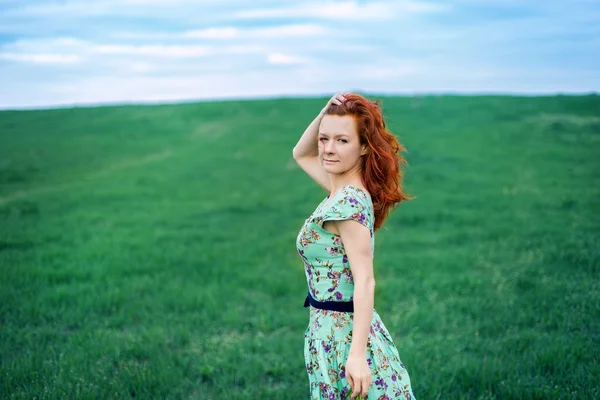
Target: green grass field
{"x": 149, "y": 251}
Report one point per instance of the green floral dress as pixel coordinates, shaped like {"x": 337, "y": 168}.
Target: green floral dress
{"x": 329, "y": 333}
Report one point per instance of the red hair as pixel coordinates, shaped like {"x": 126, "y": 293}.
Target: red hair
{"x": 381, "y": 166}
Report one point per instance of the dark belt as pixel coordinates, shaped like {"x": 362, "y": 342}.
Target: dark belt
{"x": 344, "y": 306}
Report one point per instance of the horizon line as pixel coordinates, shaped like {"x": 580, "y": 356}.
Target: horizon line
{"x": 134, "y": 103}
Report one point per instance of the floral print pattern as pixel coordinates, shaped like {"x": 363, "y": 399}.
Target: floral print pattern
{"x": 328, "y": 336}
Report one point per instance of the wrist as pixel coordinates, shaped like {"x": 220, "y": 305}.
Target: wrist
{"x": 358, "y": 353}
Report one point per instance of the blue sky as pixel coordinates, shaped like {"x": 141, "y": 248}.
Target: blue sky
{"x": 112, "y": 51}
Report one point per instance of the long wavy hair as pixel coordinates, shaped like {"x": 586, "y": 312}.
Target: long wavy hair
{"x": 382, "y": 165}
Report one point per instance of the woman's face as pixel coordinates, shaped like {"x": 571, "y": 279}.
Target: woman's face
{"x": 339, "y": 144}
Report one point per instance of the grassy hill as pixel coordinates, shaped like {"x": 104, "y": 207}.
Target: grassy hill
{"x": 148, "y": 251}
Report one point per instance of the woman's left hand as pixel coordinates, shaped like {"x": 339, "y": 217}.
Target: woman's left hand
{"x": 358, "y": 375}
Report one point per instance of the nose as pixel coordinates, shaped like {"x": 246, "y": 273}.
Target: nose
{"x": 329, "y": 146}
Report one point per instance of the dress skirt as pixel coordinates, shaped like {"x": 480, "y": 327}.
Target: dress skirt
{"x": 326, "y": 346}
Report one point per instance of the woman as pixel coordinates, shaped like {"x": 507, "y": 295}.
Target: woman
{"x": 348, "y": 351}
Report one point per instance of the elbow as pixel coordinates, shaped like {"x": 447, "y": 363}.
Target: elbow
{"x": 295, "y": 154}
{"x": 366, "y": 283}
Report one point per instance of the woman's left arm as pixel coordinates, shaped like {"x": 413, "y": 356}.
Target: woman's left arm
{"x": 357, "y": 243}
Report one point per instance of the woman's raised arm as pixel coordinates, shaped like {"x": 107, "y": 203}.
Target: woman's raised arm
{"x": 306, "y": 151}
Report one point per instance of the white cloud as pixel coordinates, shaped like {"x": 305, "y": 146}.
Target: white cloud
{"x": 338, "y": 9}
{"x": 280, "y": 58}
{"x": 212, "y": 33}
{"x": 41, "y": 58}
{"x": 56, "y": 16}
{"x": 344, "y": 10}
{"x": 53, "y": 51}
{"x": 233, "y": 33}
{"x": 268, "y": 42}
{"x": 242, "y": 49}
{"x": 141, "y": 67}
{"x": 179, "y": 51}
{"x": 68, "y": 50}
{"x": 294, "y": 30}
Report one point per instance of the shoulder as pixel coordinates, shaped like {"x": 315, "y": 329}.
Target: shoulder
{"x": 356, "y": 193}
{"x": 354, "y": 197}
{"x": 354, "y": 203}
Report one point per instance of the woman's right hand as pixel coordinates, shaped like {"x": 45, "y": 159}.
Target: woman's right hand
{"x": 337, "y": 99}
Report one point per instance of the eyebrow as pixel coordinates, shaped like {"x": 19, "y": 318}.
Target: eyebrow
{"x": 336, "y": 135}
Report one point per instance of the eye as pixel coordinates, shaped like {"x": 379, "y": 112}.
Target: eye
{"x": 343, "y": 141}
{"x": 322, "y": 139}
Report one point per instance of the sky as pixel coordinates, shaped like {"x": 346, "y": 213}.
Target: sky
{"x": 77, "y": 52}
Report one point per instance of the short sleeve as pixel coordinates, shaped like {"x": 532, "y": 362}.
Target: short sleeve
{"x": 350, "y": 204}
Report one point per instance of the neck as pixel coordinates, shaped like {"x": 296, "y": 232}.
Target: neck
{"x": 352, "y": 177}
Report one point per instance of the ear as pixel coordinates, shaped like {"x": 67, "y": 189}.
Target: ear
{"x": 363, "y": 150}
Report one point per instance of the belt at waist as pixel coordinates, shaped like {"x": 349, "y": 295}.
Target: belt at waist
{"x": 344, "y": 306}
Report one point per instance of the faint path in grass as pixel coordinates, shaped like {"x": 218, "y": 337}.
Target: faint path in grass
{"x": 201, "y": 132}
{"x": 129, "y": 163}
{"x": 109, "y": 169}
